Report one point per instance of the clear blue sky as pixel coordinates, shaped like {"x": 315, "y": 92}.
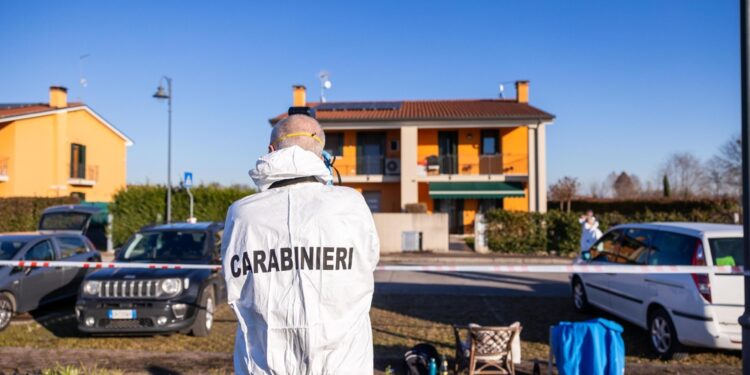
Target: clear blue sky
{"x": 629, "y": 81}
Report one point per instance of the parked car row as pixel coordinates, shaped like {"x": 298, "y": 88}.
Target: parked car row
{"x": 677, "y": 309}
{"x": 116, "y": 300}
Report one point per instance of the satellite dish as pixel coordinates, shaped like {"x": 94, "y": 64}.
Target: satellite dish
{"x": 327, "y": 84}
{"x": 502, "y": 88}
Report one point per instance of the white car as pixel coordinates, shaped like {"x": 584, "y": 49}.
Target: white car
{"x": 676, "y": 309}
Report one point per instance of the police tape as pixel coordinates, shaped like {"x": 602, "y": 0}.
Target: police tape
{"x": 494, "y": 268}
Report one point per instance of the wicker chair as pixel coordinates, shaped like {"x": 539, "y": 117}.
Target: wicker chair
{"x": 487, "y": 351}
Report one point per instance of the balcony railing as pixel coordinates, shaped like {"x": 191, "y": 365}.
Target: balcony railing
{"x": 494, "y": 164}
{"x": 4, "y": 169}
{"x": 87, "y": 176}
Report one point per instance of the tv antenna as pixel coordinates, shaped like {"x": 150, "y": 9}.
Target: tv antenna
{"x": 82, "y": 80}
{"x": 325, "y": 84}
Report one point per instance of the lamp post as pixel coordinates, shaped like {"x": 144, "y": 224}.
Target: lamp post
{"x": 745, "y": 105}
{"x": 161, "y": 95}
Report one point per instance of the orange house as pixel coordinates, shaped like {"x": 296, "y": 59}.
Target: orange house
{"x": 60, "y": 149}
{"x": 455, "y": 156}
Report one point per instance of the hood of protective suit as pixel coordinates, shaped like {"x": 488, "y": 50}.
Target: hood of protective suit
{"x": 287, "y": 163}
{"x": 298, "y": 262}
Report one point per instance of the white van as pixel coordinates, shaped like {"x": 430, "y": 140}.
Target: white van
{"x": 676, "y": 309}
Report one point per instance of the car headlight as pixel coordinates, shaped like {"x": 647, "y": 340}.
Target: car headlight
{"x": 92, "y": 287}
{"x": 171, "y": 287}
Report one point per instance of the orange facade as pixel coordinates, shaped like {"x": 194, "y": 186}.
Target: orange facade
{"x": 509, "y": 159}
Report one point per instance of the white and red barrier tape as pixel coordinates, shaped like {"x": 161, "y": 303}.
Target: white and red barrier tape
{"x": 571, "y": 268}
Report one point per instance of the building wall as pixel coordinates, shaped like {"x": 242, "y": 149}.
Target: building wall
{"x": 34, "y": 160}
{"x": 390, "y": 194}
{"x": 39, "y": 152}
{"x": 104, "y": 149}
{"x": 515, "y": 149}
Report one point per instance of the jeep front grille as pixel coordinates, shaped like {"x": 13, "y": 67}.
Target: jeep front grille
{"x": 129, "y": 289}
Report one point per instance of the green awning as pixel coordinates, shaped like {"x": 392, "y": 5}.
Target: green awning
{"x": 475, "y": 190}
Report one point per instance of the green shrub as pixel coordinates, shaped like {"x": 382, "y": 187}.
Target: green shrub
{"x": 140, "y": 205}
{"x": 514, "y": 232}
{"x": 21, "y": 214}
{"x": 525, "y": 233}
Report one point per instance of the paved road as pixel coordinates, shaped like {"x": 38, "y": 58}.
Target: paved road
{"x": 472, "y": 283}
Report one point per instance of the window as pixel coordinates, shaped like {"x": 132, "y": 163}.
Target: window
{"x": 370, "y": 153}
{"x": 672, "y": 249}
{"x": 9, "y": 248}
{"x": 490, "y": 142}
{"x": 372, "y": 198}
{"x": 77, "y": 161}
{"x": 79, "y": 195}
{"x": 40, "y": 251}
{"x": 70, "y": 246}
{"x": 490, "y": 204}
{"x": 605, "y": 250}
{"x": 727, "y": 251}
{"x": 335, "y": 144}
{"x": 635, "y": 245}
{"x": 166, "y": 246}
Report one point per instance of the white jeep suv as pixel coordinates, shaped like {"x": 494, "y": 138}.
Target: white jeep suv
{"x": 676, "y": 309}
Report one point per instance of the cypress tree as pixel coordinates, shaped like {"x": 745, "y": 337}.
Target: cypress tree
{"x": 665, "y": 186}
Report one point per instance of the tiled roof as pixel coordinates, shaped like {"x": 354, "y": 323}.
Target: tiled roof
{"x": 18, "y": 109}
{"x": 426, "y": 110}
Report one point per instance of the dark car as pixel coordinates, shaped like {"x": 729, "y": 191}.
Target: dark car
{"x": 25, "y": 289}
{"x": 129, "y": 300}
{"x": 89, "y": 219}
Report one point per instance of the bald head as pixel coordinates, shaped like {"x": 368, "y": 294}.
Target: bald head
{"x": 298, "y": 130}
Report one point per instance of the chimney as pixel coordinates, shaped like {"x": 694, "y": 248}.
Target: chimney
{"x": 58, "y": 97}
{"x": 298, "y": 96}
{"x": 522, "y": 91}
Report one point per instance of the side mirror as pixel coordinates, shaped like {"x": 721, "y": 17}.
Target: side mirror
{"x": 117, "y": 252}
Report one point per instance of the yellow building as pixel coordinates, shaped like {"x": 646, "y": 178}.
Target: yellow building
{"x": 60, "y": 149}
{"x": 455, "y": 156}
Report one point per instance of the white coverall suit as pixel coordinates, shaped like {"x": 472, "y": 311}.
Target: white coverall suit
{"x": 298, "y": 262}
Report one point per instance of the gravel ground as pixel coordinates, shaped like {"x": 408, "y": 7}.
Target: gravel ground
{"x": 49, "y": 338}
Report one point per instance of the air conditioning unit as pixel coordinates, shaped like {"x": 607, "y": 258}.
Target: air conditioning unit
{"x": 392, "y": 167}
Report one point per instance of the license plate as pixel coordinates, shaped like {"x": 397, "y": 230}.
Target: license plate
{"x": 121, "y": 314}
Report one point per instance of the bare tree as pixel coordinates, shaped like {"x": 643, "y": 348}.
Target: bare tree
{"x": 686, "y": 175}
{"x": 626, "y": 186}
{"x": 564, "y": 190}
{"x": 725, "y": 168}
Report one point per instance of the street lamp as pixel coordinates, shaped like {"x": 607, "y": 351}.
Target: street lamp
{"x": 161, "y": 95}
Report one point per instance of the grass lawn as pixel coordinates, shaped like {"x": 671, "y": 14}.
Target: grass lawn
{"x": 399, "y": 322}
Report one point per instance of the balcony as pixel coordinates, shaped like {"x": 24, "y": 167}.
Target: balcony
{"x": 494, "y": 167}
{"x": 86, "y": 176}
{"x": 369, "y": 169}
{"x": 4, "y": 170}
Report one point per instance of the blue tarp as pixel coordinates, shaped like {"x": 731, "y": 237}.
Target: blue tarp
{"x": 592, "y": 347}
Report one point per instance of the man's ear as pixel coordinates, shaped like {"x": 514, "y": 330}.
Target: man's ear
{"x": 271, "y": 148}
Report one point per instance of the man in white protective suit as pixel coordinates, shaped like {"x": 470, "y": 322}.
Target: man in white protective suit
{"x": 298, "y": 258}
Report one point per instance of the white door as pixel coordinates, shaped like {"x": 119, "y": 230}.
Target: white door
{"x": 604, "y": 252}
{"x": 728, "y": 290}
{"x": 629, "y": 292}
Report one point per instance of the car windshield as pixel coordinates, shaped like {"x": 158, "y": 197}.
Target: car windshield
{"x": 9, "y": 248}
{"x": 165, "y": 246}
{"x": 64, "y": 221}
{"x": 727, "y": 251}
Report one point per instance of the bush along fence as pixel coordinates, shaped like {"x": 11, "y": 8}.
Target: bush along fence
{"x": 21, "y": 214}
{"x": 559, "y": 231}
{"x": 141, "y": 205}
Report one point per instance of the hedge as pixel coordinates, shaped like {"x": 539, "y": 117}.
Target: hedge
{"x": 140, "y": 205}
{"x": 726, "y": 206}
{"x": 524, "y": 232}
{"x": 21, "y": 214}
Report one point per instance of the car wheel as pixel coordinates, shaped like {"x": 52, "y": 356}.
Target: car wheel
{"x": 205, "y": 319}
{"x": 663, "y": 336}
{"x": 6, "y": 311}
{"x": 580, "y": 301}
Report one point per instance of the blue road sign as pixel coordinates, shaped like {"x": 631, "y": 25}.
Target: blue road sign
{"x": 188, "y": 180}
